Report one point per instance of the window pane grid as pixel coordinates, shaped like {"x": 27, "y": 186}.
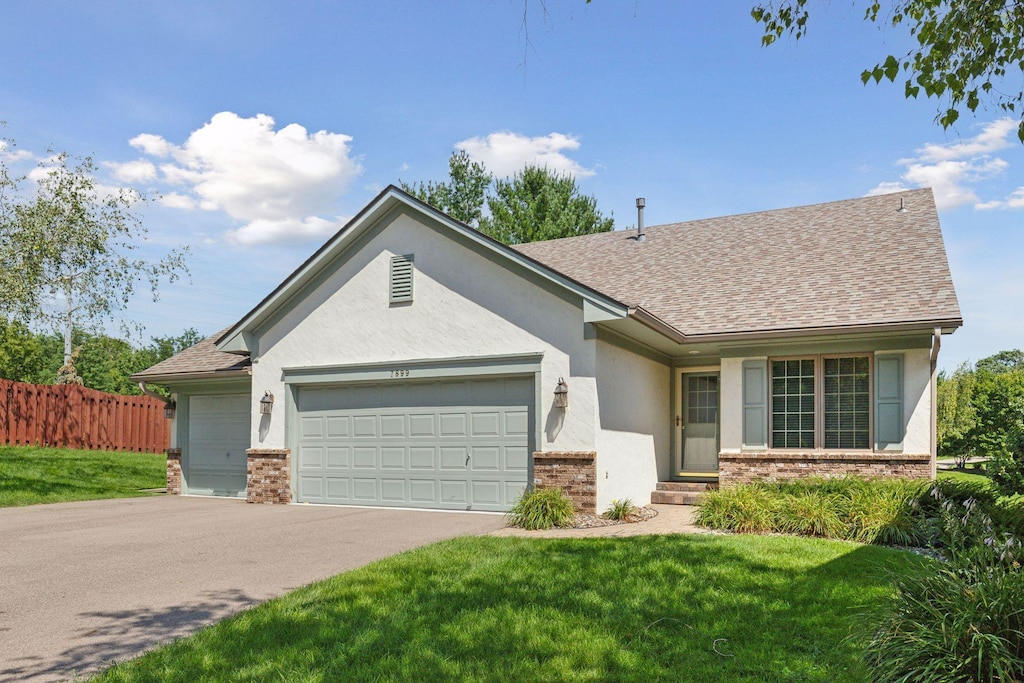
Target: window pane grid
{"x": 847, "y": 402}
{"x": 793, "y": 403}
{"x": 702, "y": 400}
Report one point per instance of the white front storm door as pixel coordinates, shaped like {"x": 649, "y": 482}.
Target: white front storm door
{"x": 697, "y": 423}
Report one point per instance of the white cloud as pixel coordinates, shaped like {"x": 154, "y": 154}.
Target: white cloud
{"x": 8, "y": 155}
{"x": 175, "y": 200}
{"x": 505, "y": 153}
{"x": 138, "y": 171}
{"x": 952, "y": 170}
{"x": 279, "y": 183}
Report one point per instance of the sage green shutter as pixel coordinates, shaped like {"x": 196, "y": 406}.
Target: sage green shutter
{"x": 400, "y": 284}
{"x": 755, "y": 404}
{"x": 889, "y": 402}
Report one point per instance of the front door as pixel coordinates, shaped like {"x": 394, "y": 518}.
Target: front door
{"x": 698, "y": 423}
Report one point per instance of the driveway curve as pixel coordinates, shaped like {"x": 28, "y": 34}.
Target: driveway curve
{"x": 83, "y": 585}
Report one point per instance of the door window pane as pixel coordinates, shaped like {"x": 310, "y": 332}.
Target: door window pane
{"x": 701, "y": 400}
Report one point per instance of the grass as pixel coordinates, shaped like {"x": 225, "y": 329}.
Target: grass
{"x": 697, "y": 608}
{"x": 30, "y": 475}
{"x": 971, "y": 476}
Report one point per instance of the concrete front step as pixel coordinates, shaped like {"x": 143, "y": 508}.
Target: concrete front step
{"x": 696, "y": 486}
{"x": 677, "y": 497}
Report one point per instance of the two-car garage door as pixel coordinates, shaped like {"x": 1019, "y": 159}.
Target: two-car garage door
{"x": 440, "y": 444}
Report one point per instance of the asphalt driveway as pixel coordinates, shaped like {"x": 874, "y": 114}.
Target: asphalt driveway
{"x": 86, "y": 584}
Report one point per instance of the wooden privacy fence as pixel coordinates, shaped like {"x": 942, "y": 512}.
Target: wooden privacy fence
{"x": 75, "y": 417}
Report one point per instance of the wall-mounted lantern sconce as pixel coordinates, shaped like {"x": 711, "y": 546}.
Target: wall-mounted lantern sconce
{"x": 562, "y": 394}
{"x": 266, "y": 403}
{"x": 169, "y": 408}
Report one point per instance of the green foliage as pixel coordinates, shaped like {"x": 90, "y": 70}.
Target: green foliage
{"x": 621, "y": 510}
{"x": 678, "y": 607}
{"x": 68, "y": 253}
{"x": 538, "y": 204}
{"x": 967, "y": 50}
{"x": 463, "y": 197}
{"x": 103, "y": 363}
{"x": 961, "y": 621}
{"x": 542, "y": 509}
{"x": 745, "y": 509}
{"x": 30, "y": 475}
{"x": 880, "y": 512}
{"x": 956, "y": 415}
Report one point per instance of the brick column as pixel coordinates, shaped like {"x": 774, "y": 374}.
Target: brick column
{"x": 268, "y": 475}
{"x": 575, "y": 472}
{"x": 174, "y": 471}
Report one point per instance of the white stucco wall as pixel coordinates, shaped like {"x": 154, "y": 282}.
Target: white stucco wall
{"x": 634, "y": 425}
{"x": 464, "y": 306}
{"x": 916, "y": 401}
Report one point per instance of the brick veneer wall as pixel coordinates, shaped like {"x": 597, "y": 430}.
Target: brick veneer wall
{"x": 575, "y": 472}
{"x": 745, "y": 468}
{"x": 268, "y": 475}
{"x": 174, "y": 471}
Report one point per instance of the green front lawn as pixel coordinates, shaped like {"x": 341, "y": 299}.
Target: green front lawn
{"x": 973, "y": 476}
{"x": 30, "y": 475}
{"x": 673, "y": 608}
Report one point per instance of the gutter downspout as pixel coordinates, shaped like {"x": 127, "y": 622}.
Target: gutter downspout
{"x": 932, "y": 439}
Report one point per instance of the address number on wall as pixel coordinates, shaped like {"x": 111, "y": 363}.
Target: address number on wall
{"x": 399, "y": 373}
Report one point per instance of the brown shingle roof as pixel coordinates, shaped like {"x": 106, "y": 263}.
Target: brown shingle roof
{"x": 201, "y": 358}
{"x": 847, "y": 263}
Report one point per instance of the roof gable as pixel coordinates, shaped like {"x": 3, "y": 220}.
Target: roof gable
{"x": 240, "y": 337}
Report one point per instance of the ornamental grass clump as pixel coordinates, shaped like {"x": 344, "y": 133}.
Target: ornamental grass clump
{"x": 746, "y": 509}
{"x": 886, "y": 513}
{"x": 542, "y": 509}
{"x": 811, "y": 513}
{"x": 621, "y": 510}
{"x": 959, "y": 621}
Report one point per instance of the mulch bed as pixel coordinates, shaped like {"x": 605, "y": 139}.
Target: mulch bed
{"x": 586, "y": 520}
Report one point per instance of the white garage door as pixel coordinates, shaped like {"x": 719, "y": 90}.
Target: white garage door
{"x": 461, "y": 445}
{"x": 218, "y": 436}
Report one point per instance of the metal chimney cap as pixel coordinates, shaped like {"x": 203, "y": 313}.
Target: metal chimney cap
{"x": 640, "y": 202}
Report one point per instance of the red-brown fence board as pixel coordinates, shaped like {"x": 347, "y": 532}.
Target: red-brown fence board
{"x": 75, "y": 417}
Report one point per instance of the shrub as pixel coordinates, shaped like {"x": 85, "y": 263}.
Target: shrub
{"x": 1006, "y": 465}
{"x": 885, "y": 512}
{"x": 542, "y": 509}
{"x": 962, "y": 620}
{"x": 746, "y": 509}
{"x": 621, "y": 510}
{"x": 811, "y": 513}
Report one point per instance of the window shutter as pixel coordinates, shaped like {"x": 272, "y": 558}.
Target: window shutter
{"x": 400, "y": 284}
{"x": 755, "y": 404}
{"x": 889, "y": 402}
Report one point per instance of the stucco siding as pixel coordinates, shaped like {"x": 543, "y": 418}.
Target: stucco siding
{"x": 634, "y": 425}
{"x": 464, "y": 305}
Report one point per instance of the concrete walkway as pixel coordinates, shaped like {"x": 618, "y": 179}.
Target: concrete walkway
{"x": 86, "y": 584}
{"x": 671, "y": 519}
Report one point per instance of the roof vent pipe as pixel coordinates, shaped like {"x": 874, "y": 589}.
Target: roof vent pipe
{"x": 640, "y": 203}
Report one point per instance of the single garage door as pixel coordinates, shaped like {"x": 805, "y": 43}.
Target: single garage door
{"x": 218, "y": 436}
{"x": 460, "y": 445}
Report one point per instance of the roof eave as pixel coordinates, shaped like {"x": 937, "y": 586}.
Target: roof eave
{"x": 947, "y": 325}
{"x": 171, "y": 377}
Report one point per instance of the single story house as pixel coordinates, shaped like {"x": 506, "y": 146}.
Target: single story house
{"x": 414, "y": 362}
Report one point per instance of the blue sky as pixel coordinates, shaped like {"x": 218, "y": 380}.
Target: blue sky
{"x": 263, "y": 126}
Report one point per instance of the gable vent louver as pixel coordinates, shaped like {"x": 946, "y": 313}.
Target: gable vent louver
{"x": 400, "y": 283}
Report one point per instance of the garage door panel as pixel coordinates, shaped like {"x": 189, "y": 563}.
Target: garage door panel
{"x": 364, "y": 457}
{"x": 392, "y": 426}
{"x": 423, "y": 491}
{"x": 452, "y": 445}
{"x": 339, "y": 457}
{"x": 311, "y": 456}
{"x": 485, "y": 459}
{"x": 392, "y": 458}
{"x": 517, "y": 459}
{"x": 311, "y": 487}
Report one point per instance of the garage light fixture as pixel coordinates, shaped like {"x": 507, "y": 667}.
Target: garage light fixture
{"x": 562, "y": 394}
{"x": 266, "y": 403}
{"x": 169, "y": 408}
